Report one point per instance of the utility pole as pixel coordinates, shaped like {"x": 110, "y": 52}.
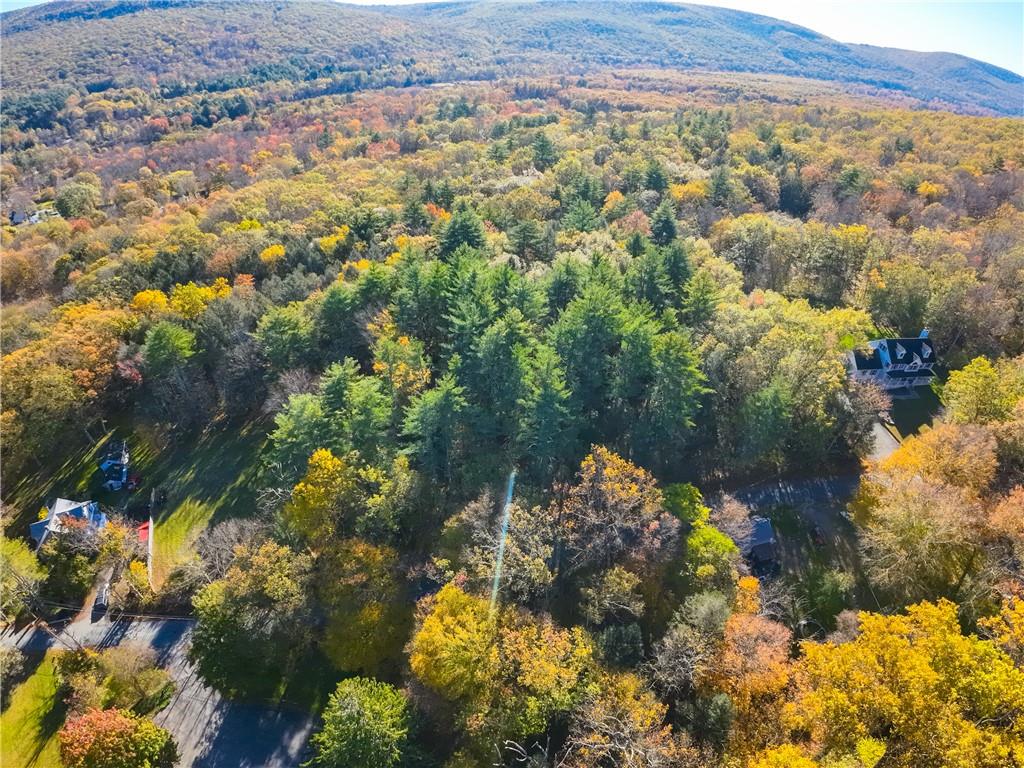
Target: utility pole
{"x": 149, "y": 538}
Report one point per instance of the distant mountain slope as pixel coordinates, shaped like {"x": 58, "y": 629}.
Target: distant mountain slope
{"x": 80, "y": 44}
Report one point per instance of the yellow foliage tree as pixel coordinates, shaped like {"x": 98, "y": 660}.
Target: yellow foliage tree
{"x": 329, "y": 489}
{"x": 272, "y": 255}
{"x": 960, "y": 455}
{"x": 931, "y": 696}
{"x": 190, "y": 300}
{"x": 150, "y": 302}
{"x": 1006, "y": 629}
{"x": 507, "y": 670}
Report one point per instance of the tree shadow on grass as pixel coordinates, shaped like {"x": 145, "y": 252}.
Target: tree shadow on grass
{"x": 206, "y": 479}
{"x": 35, "y": 715}
{"x": 51, "y": 721}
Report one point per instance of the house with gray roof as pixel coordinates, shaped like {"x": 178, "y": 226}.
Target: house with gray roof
{"x": 895, "y": 363}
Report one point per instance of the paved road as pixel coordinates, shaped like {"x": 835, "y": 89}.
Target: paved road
{"x": 211, "y": 731}
{"x": 831, "y": 493}
{"x": 821, "y": 501}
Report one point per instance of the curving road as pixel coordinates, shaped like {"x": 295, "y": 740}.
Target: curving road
{"x": 210, "y": 731}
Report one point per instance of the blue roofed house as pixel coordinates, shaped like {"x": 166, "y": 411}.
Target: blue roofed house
{"x": 895, "y": 363}
{"x": 63, "y": 514}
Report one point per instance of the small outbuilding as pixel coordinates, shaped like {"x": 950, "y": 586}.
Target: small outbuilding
{"x": 761, "y": 549}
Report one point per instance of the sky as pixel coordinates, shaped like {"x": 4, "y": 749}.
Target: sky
{"x": 985, "y": 30}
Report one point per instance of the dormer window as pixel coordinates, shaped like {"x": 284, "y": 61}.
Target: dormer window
{"x": 900, "y": 351}
{"x": 926, "y": 351}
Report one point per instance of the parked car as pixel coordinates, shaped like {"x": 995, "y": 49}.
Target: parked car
{"x": 102, "y": 599}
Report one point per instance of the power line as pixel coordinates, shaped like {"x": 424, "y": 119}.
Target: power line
{"x": 149, "y": 616}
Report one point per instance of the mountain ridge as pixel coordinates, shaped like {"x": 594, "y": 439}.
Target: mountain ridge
{"x": 196, "y": 38}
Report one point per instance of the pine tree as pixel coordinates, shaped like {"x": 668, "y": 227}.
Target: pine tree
{"x": 414, "y": 215}
{"x": 544, "y": 154}
{"x": 548, "y": 435}
{"x": 434, "y": 423}
{"x": 655, "y": 178}
{"x": 663, "y": 224}
{"x": 464, "y": 228}
{"x": 636, "y": 244}
{"x": 581, "y": 217}
{"x": 700, "y": 297}
{"x": 525, "y": 238}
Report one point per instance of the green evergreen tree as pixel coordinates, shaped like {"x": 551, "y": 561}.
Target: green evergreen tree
{"x": 464, "y": 228}
{"x": 586, "y": 337}
{"x": 636, "y": 245}
{"x": 663, "y": 223}
{"x": 526, "y": 239}
{"x": 497, "y": 379}
{"x": 677, "y": 270}
{"x": 548, "y": 434}
{"x": 434, "y": 423}
{"x": 544, "y": 154}
{"x": 655, "y": 177}
{"x": 720, "y": 187}
{"x": 646, "y": 280}
{"x": 414, "y": 216}
{"x": 581, "y": 217}
{"x": 670, "y": 402}
{"x": 700, "y": 298}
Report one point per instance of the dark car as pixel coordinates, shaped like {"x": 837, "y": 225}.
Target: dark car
{"x": 102, "y": 603}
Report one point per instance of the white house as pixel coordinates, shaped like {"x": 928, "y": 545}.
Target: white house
{"x": 64, "y": 513}
{"x": 895, "y": 363}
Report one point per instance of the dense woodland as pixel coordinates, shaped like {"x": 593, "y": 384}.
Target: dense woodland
{"x": 633, "y": 289}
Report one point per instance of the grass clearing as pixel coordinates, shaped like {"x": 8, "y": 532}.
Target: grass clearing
{"x": 175, "y": 533}
{"x": 207, "y": 480}
{"x": 29, "y": 725}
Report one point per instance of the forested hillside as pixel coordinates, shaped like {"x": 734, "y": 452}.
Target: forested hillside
{"x": 190, "y": 46}
{"x": 457, "y": 403}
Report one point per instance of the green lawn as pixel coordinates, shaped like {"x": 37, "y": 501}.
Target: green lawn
{"x": 207, "y": 479}
{"x": 909, "y": 415}
{"x": 29, "y": 725}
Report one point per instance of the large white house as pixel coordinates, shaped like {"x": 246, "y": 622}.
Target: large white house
{"x": 895, "y": 363}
